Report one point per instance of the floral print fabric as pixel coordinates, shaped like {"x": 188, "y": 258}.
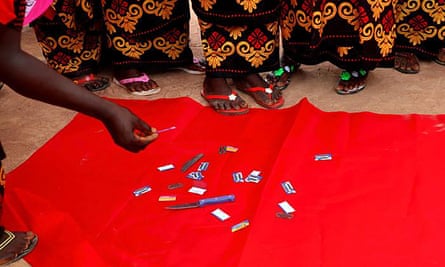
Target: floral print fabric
{"x": 82, "y": 35}
{"x": 235, "y": 48}
{"x": 351, "y": 34}
{"x": 421, "y": 26}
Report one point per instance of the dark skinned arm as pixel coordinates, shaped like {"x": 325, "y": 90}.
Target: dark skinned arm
{"x": 31, "y": 78}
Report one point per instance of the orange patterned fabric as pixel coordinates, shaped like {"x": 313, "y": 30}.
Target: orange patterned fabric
{"x": 141, "y": 34}
{"x": 239, "y": 37}
{"x": 421, "y": 27}
{"x": 72, "y": 37}
{"x": 148, "y": 33}
{"x": 352, "y": 34}
{"x": 232, "y": 13}
{"x": 232, "y": 51}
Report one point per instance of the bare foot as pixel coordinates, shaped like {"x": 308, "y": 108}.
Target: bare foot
{"x": 222, "y": 98}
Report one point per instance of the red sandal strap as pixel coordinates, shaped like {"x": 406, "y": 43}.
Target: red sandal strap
{"x": 267, "y": 90}
{"x": 233, "y": 95}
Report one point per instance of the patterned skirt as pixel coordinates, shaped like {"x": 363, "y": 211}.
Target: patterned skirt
{"x": 70, "y": 35}
{"x": 351, "y": 34}
{"x": 77, "y": 37}
{"x": 238, "y": 38}
{"x": 420, "y": 27}
{"x": 148, "y": 33}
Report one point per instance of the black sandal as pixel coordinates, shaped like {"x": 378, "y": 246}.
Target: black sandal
{"x": 286, "y": 70}
{"x": 406, "y": 63}
{"x": 92, "y": 82}
{"x": 9, "y": 238}
{"x": 351, "y": 77}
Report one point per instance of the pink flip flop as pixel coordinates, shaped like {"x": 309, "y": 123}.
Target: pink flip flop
{"x": 143, "y": 78}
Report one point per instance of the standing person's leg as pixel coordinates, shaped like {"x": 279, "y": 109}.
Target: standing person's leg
{"x": 13, "y": 245}
{"x": 240, "y": 52}
{"x": 73, "y": 47}
{"x": 405, "y": 60}
{"x": 155, "y": 38}
{"x": 352, "y": 35}
{"x": 281, "y": 76}
{"x": 369, "y": 36}
{"x": 418, "y": 34}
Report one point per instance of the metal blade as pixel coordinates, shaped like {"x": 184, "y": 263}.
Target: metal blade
{"x": 184, "y": 206}
{"x": 192, "y": 161}
{"x": 204, "y": 202}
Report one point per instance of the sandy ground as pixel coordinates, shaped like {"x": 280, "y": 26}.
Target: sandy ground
{"x": 25, "y": 125}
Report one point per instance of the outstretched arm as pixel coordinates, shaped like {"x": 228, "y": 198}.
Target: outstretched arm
{"x": 32, "y": 78}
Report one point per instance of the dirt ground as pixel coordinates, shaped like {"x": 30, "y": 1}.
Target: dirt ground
{"x": 25, "y": 125}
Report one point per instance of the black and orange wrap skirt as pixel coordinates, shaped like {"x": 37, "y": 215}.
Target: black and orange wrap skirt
{"x": 351, "y": 34}
{"x": 420, "y": 27}
{"x": 239, "y": 37}
{"x": 78, "y": 37}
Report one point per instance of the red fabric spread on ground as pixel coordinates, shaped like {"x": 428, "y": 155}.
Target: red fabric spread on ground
{"x": 378, "y": 202}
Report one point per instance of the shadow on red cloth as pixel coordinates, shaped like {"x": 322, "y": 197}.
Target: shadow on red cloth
{"x": 378, "y": 202}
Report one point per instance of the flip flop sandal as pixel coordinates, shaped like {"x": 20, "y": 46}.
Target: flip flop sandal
{"x": 10, "y": 237}
{"x": 409, "y": 60}
{"x": 353, "y": 76}
{"x": 255, "y": 92}
{"x": 143, "y": 78}
{"x": 92, "y": 82}
{"x": 275, "y": 76}
{"x": 440, "y": 62}
{"x": 215, "y": 99}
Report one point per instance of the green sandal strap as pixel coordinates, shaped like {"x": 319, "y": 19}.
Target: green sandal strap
{"x": 284, "y": 69}
{"x": 345, "y": 76}
{"x": 278, "y": 72}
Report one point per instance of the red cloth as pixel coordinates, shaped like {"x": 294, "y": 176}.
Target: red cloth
{"x": 7, "y": 13}
{"x": 378, "y": 202}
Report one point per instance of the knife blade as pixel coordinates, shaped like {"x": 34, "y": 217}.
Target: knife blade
{"x": 203, "y": 202}
{"x": 192, "y": 161}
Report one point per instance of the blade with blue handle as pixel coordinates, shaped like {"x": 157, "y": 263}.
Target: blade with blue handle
{"x": 204, "y": 202}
